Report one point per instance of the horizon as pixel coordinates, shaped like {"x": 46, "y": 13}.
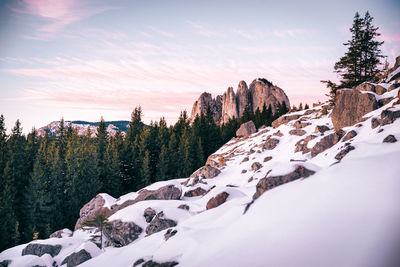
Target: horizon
{"x": 82, "y": 60}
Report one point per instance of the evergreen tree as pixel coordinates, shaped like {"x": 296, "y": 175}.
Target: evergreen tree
{"x": 163, "y": 165}
{"x": 112, "y": 163}
{"x": 146, "y": 170}
{"x": 101, "y": 144}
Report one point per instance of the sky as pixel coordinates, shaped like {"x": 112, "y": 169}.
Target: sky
{"x": 83, "y": 59}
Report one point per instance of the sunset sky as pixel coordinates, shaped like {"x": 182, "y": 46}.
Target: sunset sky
{"x": 82, "y": 59}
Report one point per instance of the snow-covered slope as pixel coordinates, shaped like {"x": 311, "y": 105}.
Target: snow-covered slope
{"x": 345, "y": 214}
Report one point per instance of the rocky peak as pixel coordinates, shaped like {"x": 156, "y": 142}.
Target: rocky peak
{"x": 229, "y": 105}
{"x": 200, "y": 106}
{"x": 242, "y": 96}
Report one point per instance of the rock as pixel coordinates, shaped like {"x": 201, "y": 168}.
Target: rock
{"x": 244, "y": 171}
{"x": 138, "y": 262}
{"x": 268, "y": 183}
{"x": 298, "y": 132}
{"x": 76, "y": 258}
{"x": 299, "y": 124}
{"x": 301, "y": 145}
{"x": 375, "y": 123}
{"x": 61, "y": 233}
{"x": 41, "y": 249}
{"x": 207, "y": 172}
{"x": 390, "y": 139}
{"x": 242, "y": 97}
{"x": 122, "y": 233}
{"x": 349, "y": 135}
{"x": 380, "y": 90}
{"x": 256, "y": 166}
{"x": 393, "y": 86}
{"x": 5, "y": 263}
{"x": 284, "y": 119}
{"x": 217, "y": 200}
{"x": 366, "y": 86}
{"x": 245, "y": 159}
{"x": 268, "y": 158}
{"x": 156, "y": 264}
{"x": 229, "y": 106}
{"x": 184, "y": 207}
{"x": 278, "y": 133}
{"x": 200, "y": 106}
{"x": 264, "y": 92}
{"x": 91, "y": 209}
{"x": 344, "y": 152}
{"x": 170, "y": 233}
{"x": 385, "y": 101}
{"x": 149, "y": 214}
{"x": 321, "y": 128}
{"x": 326, "y": 142}
{"x": 246, "y": 129}
{"x": 351, "y": 106}
{"x": 388, "y": 116}
{"x": 195, "y": 192}
{"x": 159, "y": 223}
{"x": 168, "y": 192}
{"x": 270, "y": 143}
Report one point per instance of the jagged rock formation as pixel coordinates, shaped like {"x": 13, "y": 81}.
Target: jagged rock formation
{"x": 231, "y": 105}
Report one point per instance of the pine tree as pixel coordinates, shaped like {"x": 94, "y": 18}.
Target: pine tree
{"x": 101, "y": 143}
{"x": 146, "y": 170}
{"x": 163, "y": 165}
{"x": 112, "y": 162}
{"x": 3, "y": 151}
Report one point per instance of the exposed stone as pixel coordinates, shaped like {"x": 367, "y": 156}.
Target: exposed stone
{"x": 91, "y": 209}
{"x": 156, "y": 264}
{"x": 229, "y": 106}
{"x": 326, "y": 142}
{"x": 184, "y": 207}
{"x": 138, "y": 262}
{"x": 298, "y": 132}
{"x": 321, "y": 128}
{"x": 242, "y": 97}
{"x": 278, "y": 133}
{"x": 244, "y": 171}
{"x": 170, "y": 233}
{"x": 256, "y": 166}
{"x": 301, "y": 145}
{"x": 385, "y": 101}
{"x": 390, "y": 139}
{"x": 299, "y": 124}
{"x": 61, "y": 233}
{"x": 270, "y": 143}
{"x": 200, "y": 106}
{"x": 250, "y": 179}
{"x": 380, "y": 90}
{"x": 246, "y": 129}
{"x": 159, "y": 223}
{"x": 388, "y": 116}
{"x": 349, "y": 135}
{"x": 245, "y": 159}
{"x": 264, "y": 92}
{"x": 284, "y": 119}
{"x": 268, "y": 183}
{"x": 344, "y": 152}
{"x": 366, "y": 86}
{"x": 207, "y": 172}
{"x": 375, "y": 123}
{"x": 168, "y": 192}
{"x": 195, "y": 192}
{"x": 76, "y": 258}
{"x": 122, "y": 233}
{"x": 217, "y": 200}
{"x": 5, "y": 263}
{"x": 149, "y": 214}
{"x": 41, "y": 249}
{"x": 268, "y": 158}
{"x": 393, "y": 86}
{"x": 350, "y": 107}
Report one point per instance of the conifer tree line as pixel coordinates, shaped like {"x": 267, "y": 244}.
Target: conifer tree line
{"x": 45, "y": 180}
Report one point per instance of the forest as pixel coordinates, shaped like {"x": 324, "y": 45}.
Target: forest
{"x": 44, "y": 181}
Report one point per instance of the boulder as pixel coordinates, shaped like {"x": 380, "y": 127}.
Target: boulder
{"x": 41, "y": 249}
{"x": 245, "y": 159}
{"x": 366, "y": 86}
{"x": 184, "y": 207}
{"x": 170, "y": 233}
{"x": 278, "y": 133}
{"x": 156, "y": 264}
{"x": 390, "y": 139}
{"x": 206, "y": 171}
{"x": 76, "y": 258}
{"x": 149, "y": 214}
{"x": 270, "y": 143}
{"x": 168, "y": 192}
{"x": 284, "y": 119}
{"x": 61, "y": 233}
{"x": 159, "y": 223}
{"x": 321, "y": 128}
{"x": 256, "y": 166}
{"x": 122, "y": 233}
{"x": 349, "y": 135}
{"x": 301, "y": 145}
{"x": 380, "y": 90}
{"x": 393, "y": 86}
{"x": 298, "y": 132}
{"x": 344, "y": 152}
{"x": 217, "y": 200}
{"x": 350, "y": 107}
{"x": 246, "y": 129}
{"x": 268, "y": 158}
{"x": 268, "y": 183}
{"x": 5, "y": 263}
{"x": 91, "y": 209}
{"x": 388, "y": 116}
{"x": 300, "y": 124}
{"x": 375, "y": 122}
{"x": 198, "y": 191}
{"x": 326, "y": 142}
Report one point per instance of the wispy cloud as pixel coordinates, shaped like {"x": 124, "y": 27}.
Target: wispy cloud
{"x": 203, "y": 29}
{"x": 160, "y": 32}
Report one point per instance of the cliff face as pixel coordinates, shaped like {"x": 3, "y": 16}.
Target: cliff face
{"x": 231, "y": 105}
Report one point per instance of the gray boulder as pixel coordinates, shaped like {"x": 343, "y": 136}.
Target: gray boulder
{"x": 301, "y": 145}
{"x": 349, "y": 135}
{"x": 159, "y": 223}
{"x": 375, "y": 122}
{"x": 366, "y": 86}
{"x": 91, "y": 209}
{"x": 388, "y": 116}
{"x": 156, "y": 264}
{"x": 321, "y": 128}
{"x": 217, "y": 200}
{"x": 207, "y": 172}
{"x": 344, "y": 152}
{"x": 41, "y": 249}
{"x": 149, "y": 214}
{"x": 246, "y": 129}
{"x": 270, "y": 143}
{"x": 184, "y": 207}
{"x": 390, "y": 139}
{"x": 61, "y": 233}
{"x": 326, "y": 142}
{"x": 256, "y": 166}
{"x": 76, "y": 258}
{"x": 284, "y": 119}
{"x": 198, "y": 191}
{"x": 122, "y": 233}
{"x": 298, "y": 132}
{"x": 170, "y": 233}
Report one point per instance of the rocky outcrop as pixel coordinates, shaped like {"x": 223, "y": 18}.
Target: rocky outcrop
{"x": 156, "y": 264}
{"x": 366, "y": 86}
{"x": 207, "y": 172}
{"x": 230, "y": 105}
{"x": 268, "y": 183}
{"x": 390, "y": 139}
{"x": 217, "y": 200}
{"x": 388, "y": 116}
{"x": 61, "y": 233}
{"x": 170, "y": 233}
{"x": 349, "y": 135}
{"x": 350, "y": 107}
{"x": 256, "y": 166}
{"x": 91, "y": 209}
{"x": 298, "y": 132}
{"x": 326, "y": 142}
{"x": 122, "y": 233}
{"x": 344, "y": 152}
{"x": 195, "y": 192}
{"x": 246, "y": 129}
{"x": 41, "y": 249}
{"x": 159, "y": 223}
{"x": 270, "y": 143}
{"x": 5, "y": 263}
{"x": 76, "y": 258}
{"x": 284, "y": 119}
{"x": 321, "y": 128}
{"x": 149, "y": 214}
{"x": 301, "y": 145}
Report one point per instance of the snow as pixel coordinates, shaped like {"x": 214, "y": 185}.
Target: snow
{"x": 109, "y": 200}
